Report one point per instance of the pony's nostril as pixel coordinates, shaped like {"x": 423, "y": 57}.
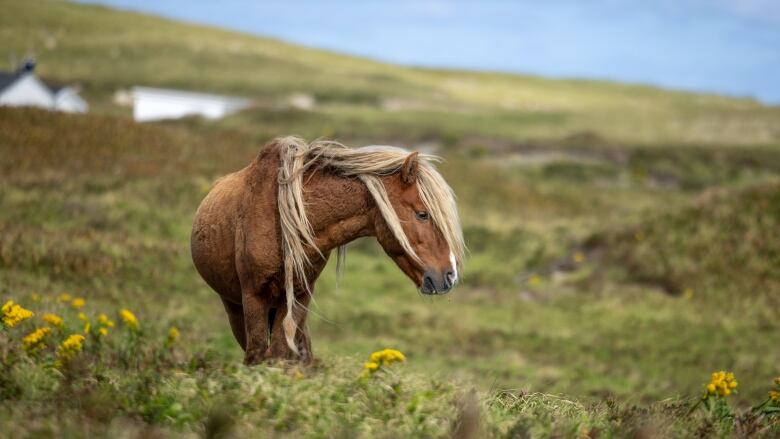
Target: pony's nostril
{"x": 449, "y": 278}
{"x": 428, "y": 283}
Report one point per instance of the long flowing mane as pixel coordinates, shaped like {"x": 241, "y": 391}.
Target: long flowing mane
{"x": 367, "y": 164}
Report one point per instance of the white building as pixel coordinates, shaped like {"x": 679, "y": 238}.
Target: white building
{"x": 24, "y": 89}
{"x": 160, "y": 103}
{"x": 68, "y": 100}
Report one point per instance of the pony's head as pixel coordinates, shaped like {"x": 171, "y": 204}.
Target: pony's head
{"x": 417, "y": 222}
{"x": 428, "y": 247}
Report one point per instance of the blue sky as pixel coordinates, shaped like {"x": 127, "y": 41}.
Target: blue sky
{"x": 722, "y": 46}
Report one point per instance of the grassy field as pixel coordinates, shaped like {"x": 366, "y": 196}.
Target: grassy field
{"x": 622, "y": 241}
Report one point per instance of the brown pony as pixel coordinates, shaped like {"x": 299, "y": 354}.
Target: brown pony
{"x": 262, "y": 235}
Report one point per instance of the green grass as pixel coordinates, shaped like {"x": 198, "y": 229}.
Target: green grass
{"x": 100, "y": 207}
{"x": 724, "y": 242}
{"x": 134, "y": 382}
{"x": 622, "y": 247}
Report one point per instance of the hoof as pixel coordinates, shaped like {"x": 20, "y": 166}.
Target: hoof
{"x": 305, "y": 357}
{"x": 254, "y": 357}
{"x": 284, "y": 354}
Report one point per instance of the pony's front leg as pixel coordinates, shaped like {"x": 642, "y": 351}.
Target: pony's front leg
{"x": 279, "y": 348}
{"x": 256, "y": 325}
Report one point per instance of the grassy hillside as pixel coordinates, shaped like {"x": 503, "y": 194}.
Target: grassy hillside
{"x": 106, "y": 50}
{"x": 622, "y": 247}
{"x": 101, "y": 207}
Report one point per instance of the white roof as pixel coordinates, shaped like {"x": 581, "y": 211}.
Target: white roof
{"x": 187, "y": 95}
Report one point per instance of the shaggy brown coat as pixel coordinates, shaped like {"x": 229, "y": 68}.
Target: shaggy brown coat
{"x": 236, "y": 244}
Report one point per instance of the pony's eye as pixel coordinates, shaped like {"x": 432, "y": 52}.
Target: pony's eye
{"x": 422, "y": 216}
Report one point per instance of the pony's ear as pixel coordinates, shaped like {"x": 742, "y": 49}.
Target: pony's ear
{"x": 409, "y": 169}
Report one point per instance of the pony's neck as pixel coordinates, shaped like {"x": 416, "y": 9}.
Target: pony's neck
{"x": 340, "y": 209}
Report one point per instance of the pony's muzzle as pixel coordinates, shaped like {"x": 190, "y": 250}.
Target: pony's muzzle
{"x": 435, "y": 282}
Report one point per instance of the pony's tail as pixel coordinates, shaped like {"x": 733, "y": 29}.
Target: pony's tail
{"x": 288, "y": 324}
{"x": 289, "y": 329}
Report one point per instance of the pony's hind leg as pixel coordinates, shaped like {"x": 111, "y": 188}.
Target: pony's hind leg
{"x": 255, "y": 307}
{"x": 235, "y": 313}
{"x": 278, "y": 347}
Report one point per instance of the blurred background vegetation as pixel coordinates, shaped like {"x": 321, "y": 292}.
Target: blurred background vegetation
{"x": 623, "y": 239}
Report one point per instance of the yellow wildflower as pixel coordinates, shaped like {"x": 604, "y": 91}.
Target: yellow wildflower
{"x": 71, "y": 345}
{"x": 721, "y": 384}
{"x": 105, "y": 321}
{"x": 78, "y": 303}
{"x": 35, "y": 297}
{"x": 13, "y": 314}
{"x": 64, "y": 297}
{"x": 777, "y": 381}
{"x": 387, "y": 356}
{"x": 381, "y": 358}
{"x": 774, "y": 395}
{"x": 53, "y": 320}
{"x": 173, "y": 335}
{"x": 34, "y": 340}
{"x": 83, "y": 317}
{"x": 129, "y": 318}
{"x": 102, "y": 332}
{"x": 87, "y": 327}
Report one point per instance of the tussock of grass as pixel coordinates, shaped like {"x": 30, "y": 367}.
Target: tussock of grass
{"x": 726, "y": 241}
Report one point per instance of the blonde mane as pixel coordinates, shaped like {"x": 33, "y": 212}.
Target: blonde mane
{"x": 367, "y": 164}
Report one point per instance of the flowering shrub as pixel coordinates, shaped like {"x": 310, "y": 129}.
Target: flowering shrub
{"x": 775, "y": 394}
{"x": 129, "y": 319}
{"x": 104, "y": 321}
{"x": 13, "y": 314}
{"x": 721, "y": 385}
{"x": 78, "y": 303}
{"x": 69, "y": 333}
{"x": 771, "y": 406}
{"x": 381, "y": 358}
{"x": 34, "y": 340}
{"x": 53, "y": 320}
{"x": 70, "y": 347}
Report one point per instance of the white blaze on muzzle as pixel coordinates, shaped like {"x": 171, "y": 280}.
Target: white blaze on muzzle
{"x": 454, "y": 266}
